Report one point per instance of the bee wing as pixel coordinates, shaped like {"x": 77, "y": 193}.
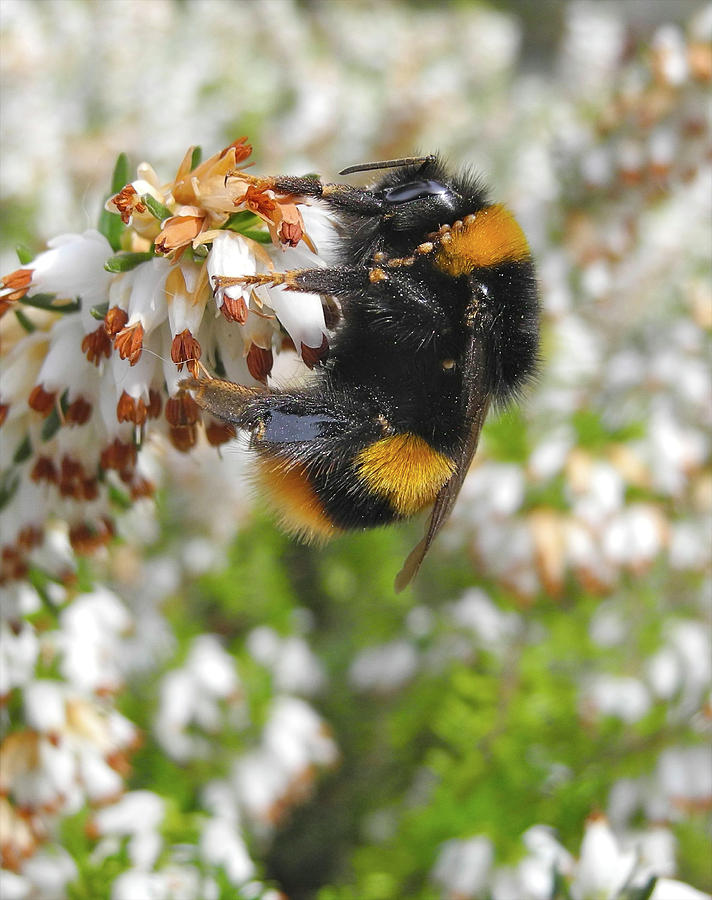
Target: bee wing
{"x": 476, "y": 402}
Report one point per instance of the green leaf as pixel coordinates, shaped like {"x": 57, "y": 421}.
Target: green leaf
{"x": 119, "y": 498}
{"x": 645, "y": 892}
{"x": 250, "y": 225}
{"x": 100, "y": 310}
{"x": 24, "y": 321}
{"x": 23, "y": 452}
{"x": 9, "y": 483}
{"x": 262, "y": 237}
{"x": 506, "y": 436}
{"x": 593, "y": 433}
{"x": 24, "y": 254}
{"x": 243, "y": 219}
{"x": 157, "y": 209}
{"x": 196, "y": 158}
{"x": 54, "y": 419}
{"x": 110, "y": 224}
{"x": 121, "y": 175}
{"x": 51, "y": 424}
{"x": 51, "y": 303}
{"x": 124, "y": 262}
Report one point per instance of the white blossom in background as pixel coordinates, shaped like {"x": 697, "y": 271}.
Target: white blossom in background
{"x": 294, "y": 666}
{"x": 280, "y": 770}
{"x": 607, "y": 868}
{"x": 384, "y": 667}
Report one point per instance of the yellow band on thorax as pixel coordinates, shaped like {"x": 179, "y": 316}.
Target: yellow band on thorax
{"x": 491, "y": 237}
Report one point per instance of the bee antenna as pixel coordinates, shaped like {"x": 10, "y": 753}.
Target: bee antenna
{"x": 389, "y": 164}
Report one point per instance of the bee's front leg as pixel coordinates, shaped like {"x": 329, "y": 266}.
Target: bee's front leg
{"x": 338, "y": 280}
{"x": 341, "y": 197}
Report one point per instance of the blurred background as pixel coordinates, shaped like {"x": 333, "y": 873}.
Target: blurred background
{"x": 245, "y": 714}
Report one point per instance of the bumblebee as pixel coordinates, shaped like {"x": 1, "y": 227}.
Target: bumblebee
{"x": 440, "y": 318}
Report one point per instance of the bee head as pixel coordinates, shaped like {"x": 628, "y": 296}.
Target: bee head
{"x": 417, "y": 199}
{"x": 415, "y": 196}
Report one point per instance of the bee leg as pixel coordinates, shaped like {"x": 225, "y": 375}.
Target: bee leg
{"x": 342, "y": 197}
{"x": 224, "y": 399}
{"x": 307, "y": 445}
{"x": 338, "y": 280}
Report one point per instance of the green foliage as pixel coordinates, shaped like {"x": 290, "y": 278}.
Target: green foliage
{"x": 95, "y": 874}
{"x": 124, "y": 262}
{"x": 110, "y": 224}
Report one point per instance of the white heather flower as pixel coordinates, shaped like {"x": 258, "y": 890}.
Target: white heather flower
{"x": 100, "y": 781}
{"x": 221, "y": 844}
{"x": 20, "y": 368}
{"x": 81, "y": 395}
{"x": 147, "y": 301}
{"x": 263, "y": 644}
{"x": 634, "y": 536}
{"x": 320, "y": 227}
{"x": 190, "y": 695}
{"x": 134, "y": 883}
{"x": 549, "y": 456}
{"x": 138, "y": 814}
{"x": 608, "y": 627}
{"x": 670, "y": 51}
{"x": 463, "y": 867}
{"x": 684, "y": 776}
{"x": 625, "y": 698}
{"x": 546, "y": 852}
{"x": 301, "y": 314}
{"x": 280, "y": 771}
{"x": 18, "y": 654}
{"x": 295, "y": 667}
{"x": 603, "y": 868}
{"x": 73, "y": 268}
{"x": 670, "y": 889}
{"x": 231, "y": 257}
{"x": 212, "y": 666}
{"x": 14, "y": 887}
{"x": 50, "y": 871}
{"x": 62, "y": 366}
{"x": 475, "y": 611}
{"x": 45, "y": 706}
{"x": 90, "y": 641}
{"x": 386, "y": 667}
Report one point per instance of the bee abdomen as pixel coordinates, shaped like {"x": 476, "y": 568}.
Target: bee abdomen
{"x": 405, "y": 470}
{"x": 391, "y": 478}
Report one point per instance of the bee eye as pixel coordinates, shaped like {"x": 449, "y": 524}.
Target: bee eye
{"x": 448, "y": 364}
{"x": 414, "y": 190}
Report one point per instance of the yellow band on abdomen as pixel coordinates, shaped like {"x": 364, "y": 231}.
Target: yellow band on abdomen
{"x": 291, "y": 494}
{"x": 405, "y": 470}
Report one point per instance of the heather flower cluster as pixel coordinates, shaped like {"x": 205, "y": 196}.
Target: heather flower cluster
{"x": 108, "y": 322}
